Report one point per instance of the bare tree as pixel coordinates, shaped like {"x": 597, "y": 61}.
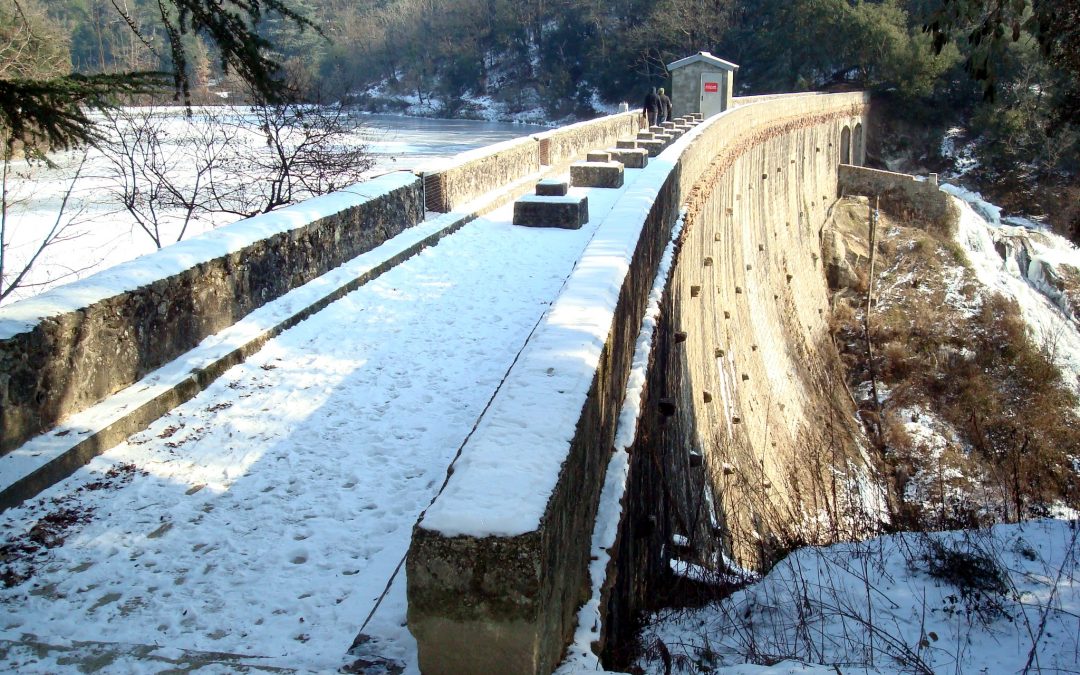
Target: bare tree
{"x": 287, "y": 152}
{"x": 15, "y": 271}
{"x": 163, "y": 166}
{"x": 167, "y": 169}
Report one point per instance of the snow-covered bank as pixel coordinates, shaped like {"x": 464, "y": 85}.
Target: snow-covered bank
{"x": 993, "y": 601}
{"x": 1034, "y": 266}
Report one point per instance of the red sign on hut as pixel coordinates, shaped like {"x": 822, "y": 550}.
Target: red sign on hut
{"x": 712, "y": 87}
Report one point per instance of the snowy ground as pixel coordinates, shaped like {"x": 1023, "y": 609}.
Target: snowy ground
{"x": 993, "y": 601}
{"x": 267, "y": 515}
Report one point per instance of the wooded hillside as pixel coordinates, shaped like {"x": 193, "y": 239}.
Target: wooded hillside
{"x": 564, "y": 56}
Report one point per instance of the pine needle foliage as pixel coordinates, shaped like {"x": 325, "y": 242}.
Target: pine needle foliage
{"x": 232, "y": 26}
{"x": 52, "y": 112}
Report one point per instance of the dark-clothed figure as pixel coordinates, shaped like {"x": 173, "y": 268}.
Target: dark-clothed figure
{"x": 665, "y": 107}
{"x": 652, "y": 106}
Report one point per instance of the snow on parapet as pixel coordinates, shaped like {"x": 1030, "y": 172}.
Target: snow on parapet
{"x": 505, "y": 477}
{"x": 22, "y": 316}
{"x": 444, "y": 164}
{"x": 576, "y": 126}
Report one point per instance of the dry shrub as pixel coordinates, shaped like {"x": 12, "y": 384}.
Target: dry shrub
{"x": 842, "y": 316}
{"x": 898, "y": 362}
{"x": 982, "y": 375}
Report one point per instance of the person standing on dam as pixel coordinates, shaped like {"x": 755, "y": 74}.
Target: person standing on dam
{"x": 651, "y": 108}
{"x": 664, "y": 114}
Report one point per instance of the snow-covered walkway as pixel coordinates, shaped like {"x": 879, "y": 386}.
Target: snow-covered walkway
{"x": 266, "y": 516}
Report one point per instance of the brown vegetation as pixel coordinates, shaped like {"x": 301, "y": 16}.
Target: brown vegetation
{"x": 949, "y": 355}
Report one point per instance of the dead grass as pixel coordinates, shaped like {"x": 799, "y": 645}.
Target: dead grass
{"x": 938, "y": 344}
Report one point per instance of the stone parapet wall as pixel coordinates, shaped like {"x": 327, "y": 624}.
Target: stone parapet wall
{"x": 762, "y": 98}
{"x": 902, "y": 195}
{"x": 461, "y": 179}
{"x": 469, "y": 175}
{"x": 567, "y": 144}
{"x": 69, "y": 348}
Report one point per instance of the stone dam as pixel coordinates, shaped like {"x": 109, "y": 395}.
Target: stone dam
{"x": 746, "y": 437}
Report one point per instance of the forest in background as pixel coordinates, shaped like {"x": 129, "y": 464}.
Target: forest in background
{"x": 565, "y": 56}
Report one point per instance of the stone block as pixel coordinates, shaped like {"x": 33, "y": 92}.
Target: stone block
{"x": 567, "y": 212}
{"x": 552, "y": 188}
{"x": 653, "y": 147}
{"x": 603, "y": 156}
{"x": 644, "y": 136}
{"x": 626, "y": 144}
{"x": 596, "y": 174}
{"x": 631, "y": 158}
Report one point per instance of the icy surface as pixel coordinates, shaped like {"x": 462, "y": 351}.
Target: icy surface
{"x": 97, "y": 233}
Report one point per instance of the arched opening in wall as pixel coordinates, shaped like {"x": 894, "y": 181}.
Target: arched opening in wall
{"x": 857, "y": 150}
{"x": 845, "y": 146}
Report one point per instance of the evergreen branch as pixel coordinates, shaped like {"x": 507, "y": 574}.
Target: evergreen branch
{"x": 55, "y": 112}
{"x": 231, "y": 25}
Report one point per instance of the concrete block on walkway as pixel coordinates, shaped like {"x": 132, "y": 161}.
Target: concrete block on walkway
{"x": 566, "y": 212}
{"x": 644, "y": 135}
{"x": 654, "y": 148}
{"x": 631, "y": 158}
{"x": 596, "y": 174}
{"x": 549, "y": 187}
{"x": 628, "y": 144}
{"x": 602, "y": 156}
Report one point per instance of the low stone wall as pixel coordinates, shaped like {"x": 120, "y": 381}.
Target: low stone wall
{"x": 457, "y": 181}
{"x": 902, "y": 195}
{"x": 472, "y": 174}
{"x": 67, "y": 349}
{"x": 570, "y": 143}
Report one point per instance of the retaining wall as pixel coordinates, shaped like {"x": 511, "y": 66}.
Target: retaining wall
{"x": 903, "y": 195}
{"x": 69, "y": 348}
{"x": 758, "y": 175}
